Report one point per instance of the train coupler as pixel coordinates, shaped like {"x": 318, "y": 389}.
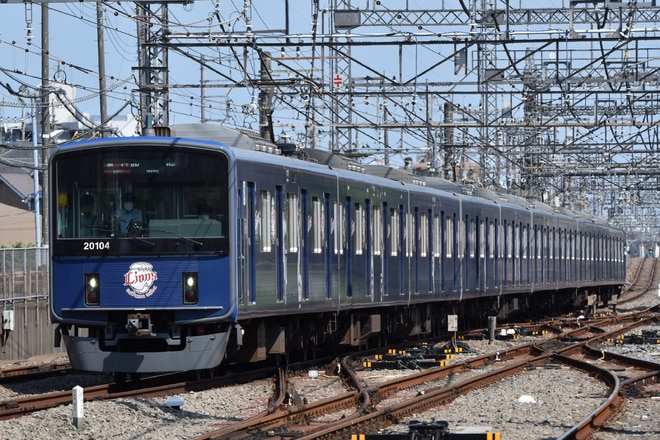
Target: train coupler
{"x": 139, "y": 324}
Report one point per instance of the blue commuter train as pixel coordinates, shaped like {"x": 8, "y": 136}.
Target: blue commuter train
{"x": 205, "y": 244}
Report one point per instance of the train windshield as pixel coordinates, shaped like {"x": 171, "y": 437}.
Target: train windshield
{"x": 152, "y": 200}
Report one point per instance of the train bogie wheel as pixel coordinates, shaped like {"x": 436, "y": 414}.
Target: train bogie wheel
{"x": 121, "y": 377}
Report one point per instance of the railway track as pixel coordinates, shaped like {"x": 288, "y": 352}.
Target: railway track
{"x": 365, "y": 408}
{"x": 643, "y": 280}
{"x": 34, "y": 370}
{"x": 154, "y": 386}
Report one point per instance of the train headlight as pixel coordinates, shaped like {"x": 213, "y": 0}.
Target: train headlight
{"x": 92, "y": 289}
{"x": 190, "y": 288}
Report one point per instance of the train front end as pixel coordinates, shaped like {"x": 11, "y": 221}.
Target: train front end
{"x": 143, "y": 260}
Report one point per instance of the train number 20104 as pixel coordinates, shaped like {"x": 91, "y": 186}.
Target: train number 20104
{"x": 96, "y": 245}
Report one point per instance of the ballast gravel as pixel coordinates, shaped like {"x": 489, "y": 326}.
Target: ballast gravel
{"x": 541, "y": 403}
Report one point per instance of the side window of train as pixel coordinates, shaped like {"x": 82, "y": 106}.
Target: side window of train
{"x": 462, "y": 242}
{"x": 525, "y": 241}
{"x": 359, "y": 229}
{"x": 472, "y": 238}
{"x": 338, "y": 226}
{"x": 437, "y": 236}
{"x": 449, "y": 236}
{"x": 482, "y": 238}
{"x": 509, "y": 240}
{"x": 492, "y": 239}
{"x": 499, "y": 228}
{"x": 424, "y": 234}
{"x": 596, "y": 247}
{"x": 317, "y": 225}
{"x": 573, "y": 239}
{"x": 516, "y": 239}
{"x": 579, "y": 246}
{"x": 394, "y": 232}
{"x": 377, "y": 230}
{"x": 292, "y": 219}
{"x": 409, "y": 231}
{"x": 265, "y": 220}
{"x": 553, "y": 242}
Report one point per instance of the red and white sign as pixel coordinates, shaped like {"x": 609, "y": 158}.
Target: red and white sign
{"x": 338, "y": 81}
{"x": 140, "y": 278}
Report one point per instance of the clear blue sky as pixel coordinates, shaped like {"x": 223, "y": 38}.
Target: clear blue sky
{"x": 73, "y": 48}
{"x": 73, "y": 55}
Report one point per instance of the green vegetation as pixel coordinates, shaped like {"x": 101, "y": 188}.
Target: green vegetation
{"x": 18, "y": 245}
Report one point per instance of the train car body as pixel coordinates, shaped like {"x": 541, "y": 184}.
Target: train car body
{"x": 292, "y": 254}
{"x": 138, "y": 295}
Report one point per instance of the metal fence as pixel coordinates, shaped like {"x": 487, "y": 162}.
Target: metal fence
{"x": 24, "y": 283}
{"x": 24, "y": 274}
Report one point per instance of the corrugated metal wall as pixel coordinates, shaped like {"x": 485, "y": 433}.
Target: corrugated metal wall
{"x": 24, "y": 276}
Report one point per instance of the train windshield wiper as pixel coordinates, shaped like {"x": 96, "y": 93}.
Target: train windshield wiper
{"x": 174, "y": 234}
{"x": 141, "y": 240}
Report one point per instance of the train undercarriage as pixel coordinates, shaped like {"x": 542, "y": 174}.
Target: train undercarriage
{"x": 299, "y": 337}
{"x": 307, "y": 336}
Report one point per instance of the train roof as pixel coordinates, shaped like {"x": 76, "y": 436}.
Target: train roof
{"x": 231, "y": 137}
{"x": 330, "y": 159}
{"x": 239, "y": 139}
{"x": 489, "y": 194}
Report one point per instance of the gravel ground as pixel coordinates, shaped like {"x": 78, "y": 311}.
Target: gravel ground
{"x": 545, "y": 402}
{"x": 639, "y": 417}
{"x": 558, "y": 399}
{"x": 141, "y": 418}
{"x": 539, "y": 404}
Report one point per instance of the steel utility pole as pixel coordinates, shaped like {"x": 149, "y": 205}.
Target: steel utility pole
{"x": 101, "y": 55}
{"x": 153, "y": 69}
{"x": 45, "y": 120}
